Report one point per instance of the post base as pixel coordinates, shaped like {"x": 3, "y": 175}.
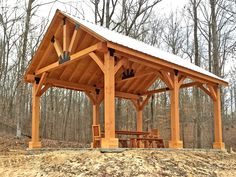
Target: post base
{"x": 176, "y": 144}
{"x": 33, "y": 145}
{"x": 219, "y": 145}
{"x": 109, "y": 143}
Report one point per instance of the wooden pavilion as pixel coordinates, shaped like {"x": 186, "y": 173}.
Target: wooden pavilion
{"x": 78, "y": 55}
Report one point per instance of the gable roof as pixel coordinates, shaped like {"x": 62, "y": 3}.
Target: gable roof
{"x": 46, "y": 55}
{"x": 126, "y": 41}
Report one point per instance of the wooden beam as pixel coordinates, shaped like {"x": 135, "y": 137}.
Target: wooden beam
{"x": 109, "y": 141}
{"x": 218, "y": 142}
{"x": 160, "y": 90}
{"x": 91, "y": 97}
{"x": 119, "y": 64}
{"x": 175, "y": 126}
{"x": 139, "y": 117}
{"x": 167, "y": 79}
{"x": 205, "y": 90}
{"x": 181, "y": 80}
{"x": 73, "y": 39}
{"x": 97, "y": 60}
{"x": 65, "y": 36}
{"x": 135, "y": 103}
{"x": 44, "y": 89}
{"x": 212, "y": 91}
{"x": 145, "y": 101}
{"x": 126, "y": 95}
{"x": 29, "y": 78}
{"x": 57, "y": 47}
{"x": 163, "y": 63}
{"x": 142, "y": 62}
{"x": 75, "y": 57}
{"x": 70, "y": 85}
{"x": 41, "y": 82}
{"x": 35, "y": 141}
{"x": 90, "y": 88}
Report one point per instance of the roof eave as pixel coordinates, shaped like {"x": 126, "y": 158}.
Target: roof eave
{"x": 180, "y": 68}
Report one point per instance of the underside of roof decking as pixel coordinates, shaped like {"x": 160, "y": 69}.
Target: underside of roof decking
{"x": 136, "y": 71}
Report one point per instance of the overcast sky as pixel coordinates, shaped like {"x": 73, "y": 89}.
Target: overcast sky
{"x": 165, "y": 6}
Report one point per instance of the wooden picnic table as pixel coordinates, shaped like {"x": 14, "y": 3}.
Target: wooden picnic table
{"x": 139, "y": 139}
{"x": 125, "y": 132}
{"x": 124, "y": 141}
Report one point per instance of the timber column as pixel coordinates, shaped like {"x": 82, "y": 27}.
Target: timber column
{"x": 218, "y": 144}
{"x": 35, "y": 142}
{"x": 109, "y": 101}
{"x": 139, "y": 113}
{"x": 175, "y": 133}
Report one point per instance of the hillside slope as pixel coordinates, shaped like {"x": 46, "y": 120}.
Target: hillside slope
{"x": 137, "y": 162}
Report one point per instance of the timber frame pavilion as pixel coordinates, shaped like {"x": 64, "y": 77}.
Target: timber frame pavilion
{"x": 75, "y": 54}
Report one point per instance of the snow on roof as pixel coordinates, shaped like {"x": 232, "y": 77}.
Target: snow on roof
{"x": 134, "y": 44}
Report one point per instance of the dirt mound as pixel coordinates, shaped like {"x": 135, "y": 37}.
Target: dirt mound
{"x": 16, "y": 161}
{"x": 128, "y": 163}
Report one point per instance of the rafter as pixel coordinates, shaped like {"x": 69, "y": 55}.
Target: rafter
{"x": 75, "y": 57}
{"x": 65, "y": 36}
{"x": 57, "y": 47}
{"x": 72, "y": 42}
{"x": 162, "y": 63}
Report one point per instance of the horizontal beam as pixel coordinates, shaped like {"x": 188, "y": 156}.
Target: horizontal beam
{"x": 166, "y": 64}
{"x": 86, "y": 88}
{"x": 190, "y": 84}
{"x": 126, "y": 95}
{"x": 75, "y": 57}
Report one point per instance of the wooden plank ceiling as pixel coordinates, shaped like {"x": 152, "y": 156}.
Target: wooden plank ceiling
{"x": 130, "y": 78}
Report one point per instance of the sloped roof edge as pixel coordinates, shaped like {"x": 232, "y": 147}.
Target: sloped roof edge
{"x": 142, "y": 47}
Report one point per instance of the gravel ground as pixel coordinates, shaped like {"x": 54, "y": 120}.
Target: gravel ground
{"x": 15, "y": 160}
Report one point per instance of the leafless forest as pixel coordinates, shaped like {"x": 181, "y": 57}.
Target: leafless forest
{"x": 202, "y": 32}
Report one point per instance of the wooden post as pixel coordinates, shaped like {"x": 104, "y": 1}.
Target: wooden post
{"x": 109, "y": 102}
{"x": 218, "y": 144}
{"x": 96, "y": 113}
{"x": 139, "y": 113}
{"x": 175, "y": 133}
{"x": 35, "y": 142}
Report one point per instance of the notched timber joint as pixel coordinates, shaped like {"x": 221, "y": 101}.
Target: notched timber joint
{"x": 77, "y": 26}
{"x": 64, "y": 58}
{"x": 37, "y": 80}
{"x": 97, "y": 91}
{"x": 53, "y": 39}
{"x": 64, "y": 20}
{"x": 176, "y": 72}
{"x": 111, "y": 51}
